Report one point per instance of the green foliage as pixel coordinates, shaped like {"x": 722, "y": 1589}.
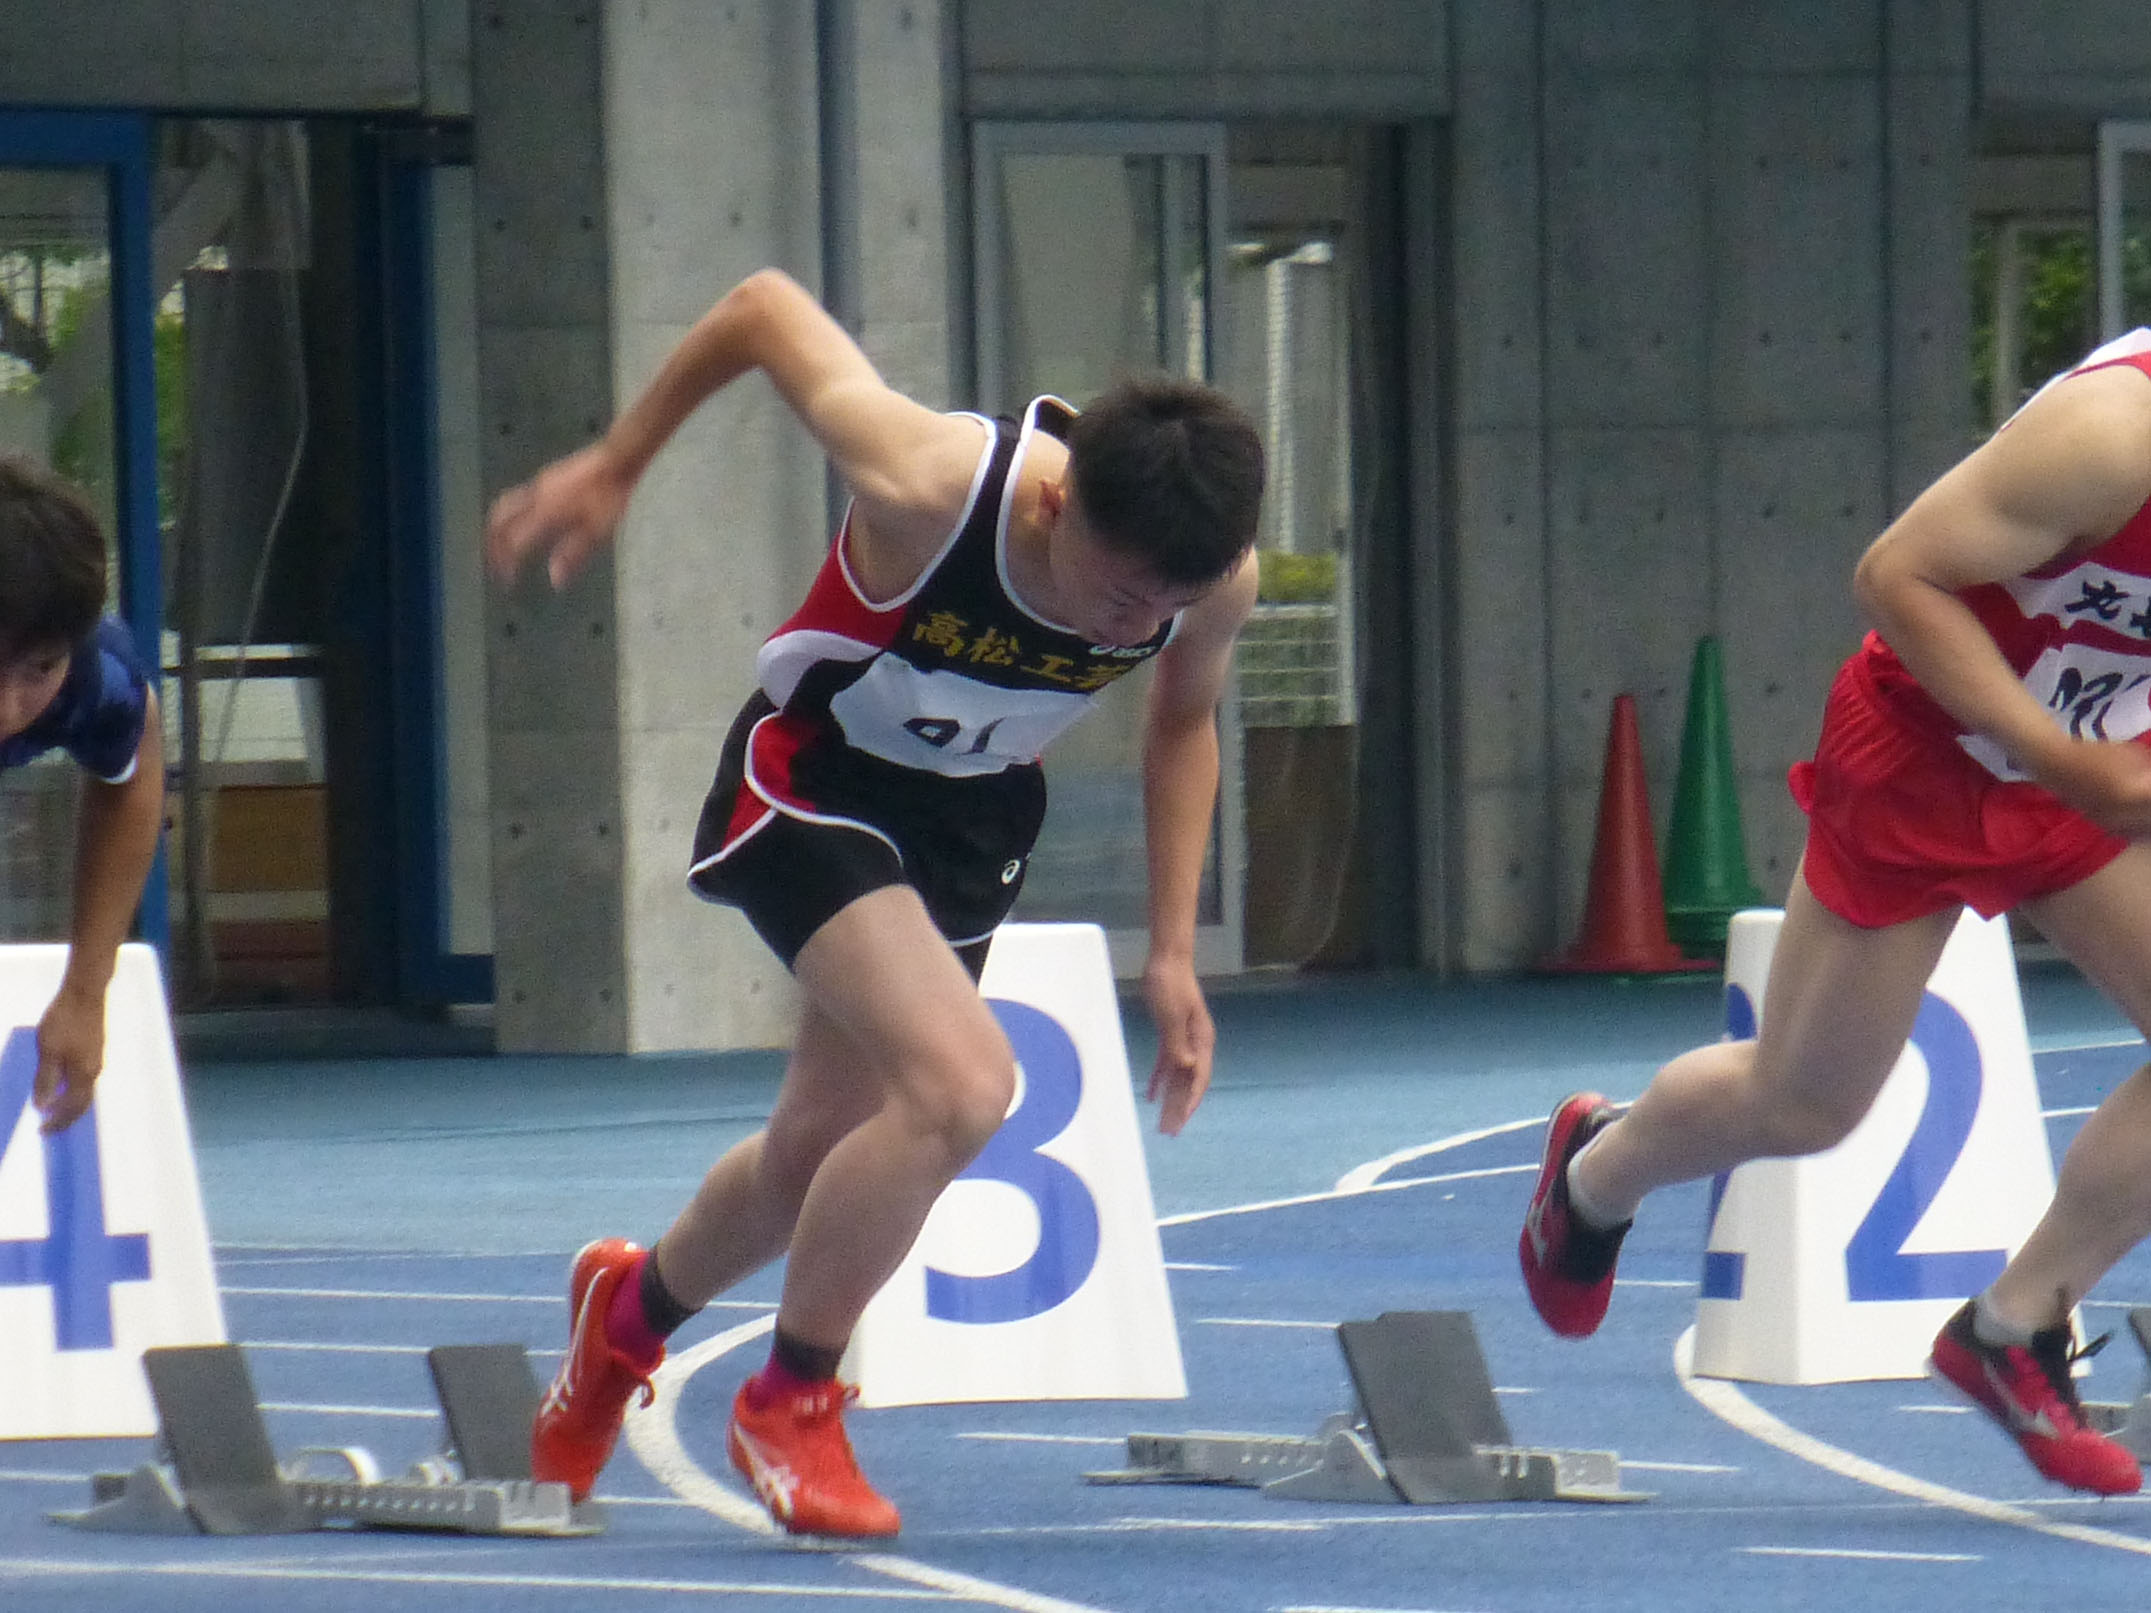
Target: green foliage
{"x": 174, "y": 431}
{"x": 1297, "y": 579}
{"x": 2058, "y": 319}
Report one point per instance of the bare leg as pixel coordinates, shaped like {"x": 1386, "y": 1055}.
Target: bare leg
{"x": 945, "y": 1074}
{"x": 2102, "y": 1202}
{"x": 1840, "y": 1003}
{"x": 741, "y": 1218}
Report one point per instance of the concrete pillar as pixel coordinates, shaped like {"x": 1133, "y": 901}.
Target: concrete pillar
{"x": 1502, "y": 832}
{"x": 712, "y": 151}
{"x": 545, "y": 366}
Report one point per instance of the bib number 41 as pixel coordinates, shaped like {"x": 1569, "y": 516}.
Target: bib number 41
{"x": 77, "y": 1258}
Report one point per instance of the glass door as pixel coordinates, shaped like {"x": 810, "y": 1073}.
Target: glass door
{"x": 2124, "y": 227}
{"x": 1099, "y": 252}
{"x": 76, "y": 396}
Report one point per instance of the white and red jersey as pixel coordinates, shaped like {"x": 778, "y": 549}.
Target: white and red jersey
{"x": 2077, "y": 631}
{"x": 933, "y": 704}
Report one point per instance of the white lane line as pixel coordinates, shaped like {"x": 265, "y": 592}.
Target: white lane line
{"x": 398, "y": 1293}
{"x": 1861, "y": 1555}
{"x": 337, "y": 1349}
{"x": 1654, "y": 1282}
{"x": 1676, "y": 1467}
{"x": 350, "y": 1411}
{"x": 653, "y": 1434}
{"x": 310, "y": 1347}
{"x": 1261, "y": 1321}
{"x": 1331, "y": 1607}
{"x": 1196, "y": 1265}
{"x": 1039, "y": 1439}
{"x": 476, "y": 1299}
{"x": 31, "y": 1475}
{"x": 57, "y": 1568}
{"x": 966, "y": 1587}
{"x": 1361, "y": 1177}
{"x": 1725, "y": 1400}
{"x": 2063, "y": 1114}
{"x": 2040, "y": 1044}
{"x": 1332, "y": 1195}
{"x": 1938, "y": 1411}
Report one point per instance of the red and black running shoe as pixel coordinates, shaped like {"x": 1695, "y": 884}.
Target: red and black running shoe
{"x": 1568, "y": 1263}
{"x": 2031, "y": 1393}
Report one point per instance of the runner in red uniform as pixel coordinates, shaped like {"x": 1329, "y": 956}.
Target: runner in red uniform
{"x": 1989, "y": 745}
{"x": 873, "y": 811}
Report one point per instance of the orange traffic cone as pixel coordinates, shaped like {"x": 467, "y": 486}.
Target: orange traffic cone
{"x": 1624, "y": 915}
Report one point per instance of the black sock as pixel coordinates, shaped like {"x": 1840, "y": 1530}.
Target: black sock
{"x": 665, "y": 1314}
{"x": 813, "y": 1362}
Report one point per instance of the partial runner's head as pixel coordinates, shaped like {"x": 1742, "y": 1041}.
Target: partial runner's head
{"x": 1165, "y": 483}
{"x": 52, "y": 586}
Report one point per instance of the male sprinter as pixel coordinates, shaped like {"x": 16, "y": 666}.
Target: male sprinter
{"x": 872, "y": 814}
{"x": 1988, "y": 745}
{"x": 70, "y": 680}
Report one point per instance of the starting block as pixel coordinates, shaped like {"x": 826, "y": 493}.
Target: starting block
{"x": 1427, "y": 1431}
{"x": 2129, "y": 1421}
{"x": 217, "y": 1474}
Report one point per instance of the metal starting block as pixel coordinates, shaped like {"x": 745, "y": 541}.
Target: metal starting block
{"x": 216, "y": 1473}
{"x": 2129, "y": 1421}
{"x": 1427, "y": 1430}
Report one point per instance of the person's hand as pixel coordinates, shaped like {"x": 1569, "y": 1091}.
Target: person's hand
{"x": 2108, "y": 781}
{"x": 1186, "y": 1040}
{"x": 70, "y": 1055}
{"x": 567, "y": 512}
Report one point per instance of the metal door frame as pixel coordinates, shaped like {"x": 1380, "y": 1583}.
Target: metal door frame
{"x": 1219, "y": 948}
{"x": 117, "y": 143}
{"x": 2117, "y": 141}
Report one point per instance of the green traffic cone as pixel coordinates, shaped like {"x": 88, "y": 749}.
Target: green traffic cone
{"x": 1706, "y": 879}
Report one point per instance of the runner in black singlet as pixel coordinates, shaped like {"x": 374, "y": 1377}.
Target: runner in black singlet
{"x": 872, "y": 814}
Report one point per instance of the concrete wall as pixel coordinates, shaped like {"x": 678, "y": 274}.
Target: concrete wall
{"x": 1710, "y": 269}
{"x": 545, "y": 361}
{"x": 239, "y": 55}
{"x": 1206, "y": 59}
{"x": 711, "y": 140}
{"x": 1707, "y": 334}
{"x": 2082, "y": 59}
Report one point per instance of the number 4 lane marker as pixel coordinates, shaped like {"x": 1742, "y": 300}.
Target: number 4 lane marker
{"x": 77, "y": 1258}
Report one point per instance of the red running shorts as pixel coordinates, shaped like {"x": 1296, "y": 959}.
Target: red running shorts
{"x": 1903, "y": 823}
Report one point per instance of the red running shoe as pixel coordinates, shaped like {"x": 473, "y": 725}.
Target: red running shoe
{"x": 580, "y": 1416}
{"x": 2031, "y": 1392}
{"x": 793, "y": 1451}
{"x": 1568, "y": 1264}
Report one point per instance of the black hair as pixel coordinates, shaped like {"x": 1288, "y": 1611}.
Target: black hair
{"x": 1170, "y": 471}
{"x": 52, "y": 561}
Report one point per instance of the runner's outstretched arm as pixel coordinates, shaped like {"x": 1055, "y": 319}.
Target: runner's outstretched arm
{"x": 1180, "y": 778}
{"x": 909, "y": 467}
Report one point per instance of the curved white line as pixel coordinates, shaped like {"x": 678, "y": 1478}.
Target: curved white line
{"x": 653, "y": 1434}
{"x": 1361, "y": 1177}
{"x": 1724, "y": 1400}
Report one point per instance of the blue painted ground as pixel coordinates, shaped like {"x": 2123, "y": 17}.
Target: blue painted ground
{"x": 363, "y": 1212}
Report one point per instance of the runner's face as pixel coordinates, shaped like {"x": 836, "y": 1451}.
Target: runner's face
{"x": 27, "y": 685}
{"x": 1108, "y": 596}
